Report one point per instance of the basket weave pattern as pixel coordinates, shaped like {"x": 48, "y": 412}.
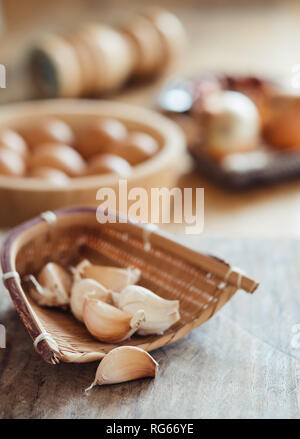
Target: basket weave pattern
{"x": 170, "y": 270}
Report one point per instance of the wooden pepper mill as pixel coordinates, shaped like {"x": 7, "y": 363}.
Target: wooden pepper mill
{"x": 97, "y": 59}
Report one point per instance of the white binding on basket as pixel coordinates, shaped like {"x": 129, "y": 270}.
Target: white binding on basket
{"x": 49, "y": 217}
{"x": 10, "y": 275}
{"x": 239, "y": 273}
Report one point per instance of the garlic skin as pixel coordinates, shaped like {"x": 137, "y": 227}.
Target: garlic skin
{"x": 160, "y": 314}
{"x": 52, "y": 286}
{"x": 83, "y": 288}
{"x": 108, "y": 163}
{"x": 11, "y": 163}
{"x": 125, "y": 363}
{"x": 112, "y": 278}
{"x": 78, "y": 271}
{"x": 110, "y": 324}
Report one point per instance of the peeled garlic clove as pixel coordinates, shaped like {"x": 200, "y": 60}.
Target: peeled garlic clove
{"x": 125, "y": 363}
{"x": 52, "y": 286}
{"x": 109, "y": 324}
{"x": 160, "y": 313}
{"x": 83, "y": 288}
{"x": 112, "y": 278}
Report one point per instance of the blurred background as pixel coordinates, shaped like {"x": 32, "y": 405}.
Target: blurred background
{"x": 244, "y": 37}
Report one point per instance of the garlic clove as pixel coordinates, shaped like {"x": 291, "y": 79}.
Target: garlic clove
{"x": 52, "y": 286}
{"x": 83, "y": 288}
{"x": 160, "y": 314}
{"x": 78, "y": 271}
{"x": 232, "y": 123}
{"x": 112, "y": 278}
{"x": 107, "y": 323}
{"x": 125, "y": 363}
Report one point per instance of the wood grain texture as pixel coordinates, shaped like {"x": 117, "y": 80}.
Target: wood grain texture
{"x": 239, "y": 364}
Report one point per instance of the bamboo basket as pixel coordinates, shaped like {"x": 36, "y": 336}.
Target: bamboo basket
{"x": 22, "y": 198}
{"x": 202, "y": 284}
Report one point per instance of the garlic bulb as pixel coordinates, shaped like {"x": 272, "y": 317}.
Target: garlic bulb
{"x": 83, "y": 288}
{"x": 125, "y": 363}
{"x": 52, "y": 286}
{"x": 232, "y": 123}
{"x": 160, "y": 313}
{"x": 112, "y": 278}
{"x": 110, "y": 324}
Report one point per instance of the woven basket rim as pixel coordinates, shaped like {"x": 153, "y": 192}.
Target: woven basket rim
{"x": 49, "y": 350}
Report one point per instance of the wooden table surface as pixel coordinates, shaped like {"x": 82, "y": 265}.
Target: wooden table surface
{"x": 239, "y": 364}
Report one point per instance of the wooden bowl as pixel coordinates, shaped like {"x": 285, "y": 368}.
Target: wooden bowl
{"x": 201, "y": 283}
{"x": 22, "y": 198}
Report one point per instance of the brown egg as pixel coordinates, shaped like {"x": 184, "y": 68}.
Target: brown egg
{"x": 11, "y": 140}
{"x": 50, "y": 174}
{"x": 100, "y": 136}
{"x": 58, "y": 156}
{"x": 11, "y": 163}
{"x": 108, "y": 163}
{"x": 46, "y": 130}
{"x": 283, "y": 128}
{"x": 136, "y": 148}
